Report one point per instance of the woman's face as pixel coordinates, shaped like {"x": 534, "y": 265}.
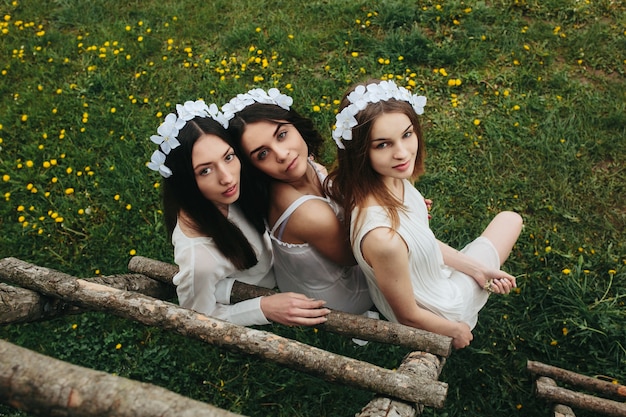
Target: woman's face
{"x": 276, "y": 148}
{"x": 393, "y": 146}
{"x": 217, "y": 170}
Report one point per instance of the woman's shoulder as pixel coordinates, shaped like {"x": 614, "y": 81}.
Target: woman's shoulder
{"x": 283, "y": 196}
{"x": 383, "y": 242}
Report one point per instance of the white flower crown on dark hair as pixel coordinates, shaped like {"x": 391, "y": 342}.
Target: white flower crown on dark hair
{"x": 364, "y": 95}
{"x": 174, "y": 122}
{"x": 256, "y": 95}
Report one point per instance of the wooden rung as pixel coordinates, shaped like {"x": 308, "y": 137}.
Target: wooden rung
{"x": 557, "y": 395}
{"x": 338, "y": 322}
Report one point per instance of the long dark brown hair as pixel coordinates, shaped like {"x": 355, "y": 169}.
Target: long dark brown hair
{"x": 181, "y": 194}
{"x": 353, "y": 179}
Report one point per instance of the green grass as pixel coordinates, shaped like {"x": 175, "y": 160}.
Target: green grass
{"x": 526, "y": 112}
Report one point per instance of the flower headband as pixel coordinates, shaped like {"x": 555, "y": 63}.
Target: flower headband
{"x": 169, "y": 129}
{"x": 257, "y": 95}
{"x": 364, "y": 95}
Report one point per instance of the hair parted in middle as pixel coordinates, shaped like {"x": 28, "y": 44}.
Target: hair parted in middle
{"x": 353, "y": 179}
{"x": 181, "y": 193}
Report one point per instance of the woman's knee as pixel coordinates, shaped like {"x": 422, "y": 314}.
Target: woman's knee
{"x": 511, "y": 219}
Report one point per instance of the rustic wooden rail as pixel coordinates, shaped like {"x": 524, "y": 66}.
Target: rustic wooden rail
{"x": 46, "y": 292}
{"x": 547, "y": 389}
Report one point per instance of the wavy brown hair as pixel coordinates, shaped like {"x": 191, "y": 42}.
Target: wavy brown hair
{"x": 353, "y": 179}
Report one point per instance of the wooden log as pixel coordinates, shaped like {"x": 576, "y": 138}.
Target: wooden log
{"x": 351, "y": 325}
{"x": 605, "y": 388}
{"x": 560, "y": 410}
{"x": 421, "y": 364}
{"x": 269, "y": 346}
{"x": 557, "y": 395}
{"x": 19, "y": 305}
{"x": 45, "y": 386}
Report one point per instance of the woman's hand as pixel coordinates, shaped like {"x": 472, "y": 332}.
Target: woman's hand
{"x": 498, "y": 282}
{"x": 292, "y": 309}
{"x": 462, "y": 337}
{"x": 429, "y": 205}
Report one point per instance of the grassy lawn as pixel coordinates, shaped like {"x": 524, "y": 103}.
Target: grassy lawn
{"x": 526, "y": 111}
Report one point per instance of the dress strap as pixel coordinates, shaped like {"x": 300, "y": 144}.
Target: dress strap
{"x": 281, "y": 223}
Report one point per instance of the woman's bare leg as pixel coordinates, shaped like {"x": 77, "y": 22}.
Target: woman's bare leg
{"x": 503, "y": 232}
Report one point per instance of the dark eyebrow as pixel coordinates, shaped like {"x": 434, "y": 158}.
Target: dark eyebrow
{"x": 278, "y": 126}
{"x": 404, "y": 131}
{"x": 229, "y": 150}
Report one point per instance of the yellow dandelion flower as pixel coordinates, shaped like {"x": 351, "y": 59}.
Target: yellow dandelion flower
{"x": 554, "y": 343}
{"x": 24, "y": 117}
{"x": 565, "y": 331}
{"x": 6, "y": 177}
{"x": 118, "y": 346}
{"x": 476, "y": 122}
{"x": 132, "y": 252}
{"x": 69, "y": 191}
{"x": 566, "y": 271}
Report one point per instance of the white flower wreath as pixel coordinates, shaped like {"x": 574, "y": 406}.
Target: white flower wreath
{"x": 171, "y": 126}
{"x": 257, "y": 95}
{"x": 364, "y": 95}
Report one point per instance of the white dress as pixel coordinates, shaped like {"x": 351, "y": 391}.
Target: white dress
{"x": 205, "y": 277}
{"x": 301, "y": 268}
{"x": 442, "y": 290}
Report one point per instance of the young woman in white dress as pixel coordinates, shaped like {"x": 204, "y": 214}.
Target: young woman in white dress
{"x": 414, "y": 278}
{"x": 312, "y": 252}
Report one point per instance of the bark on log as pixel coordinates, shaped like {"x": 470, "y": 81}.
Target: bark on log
{"x": 581, "y": 381}
{"x": 560, "y": 410}
{"x": 422, "y": 364}
{"x": 152, "y": 312}
{"x": 19, "y": 305}
{"x": 351, "y": 325}
{"x": 45, "y": 386}
{"x": 557, "y": 395}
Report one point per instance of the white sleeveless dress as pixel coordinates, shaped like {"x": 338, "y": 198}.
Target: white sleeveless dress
{"x": 436, "y": 287}
{"x": 301, "y": 268}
